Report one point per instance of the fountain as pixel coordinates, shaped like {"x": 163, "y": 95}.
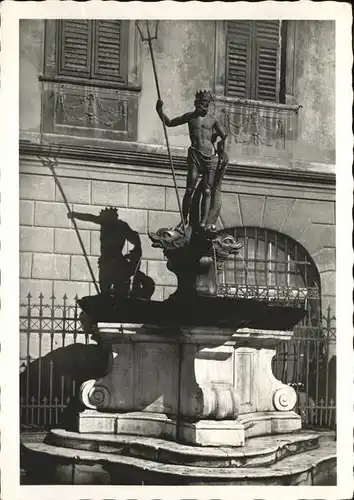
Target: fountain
{"x": 188, "y": 395}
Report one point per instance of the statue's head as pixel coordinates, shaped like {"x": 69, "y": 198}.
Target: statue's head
{"x": 202, "y": 100}
{"x": 109, "y": 214}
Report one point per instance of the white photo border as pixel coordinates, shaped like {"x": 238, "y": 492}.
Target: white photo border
{"x": 11, "y": 12}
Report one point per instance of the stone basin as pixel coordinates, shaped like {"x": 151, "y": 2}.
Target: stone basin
{"x": 193, "y": 311}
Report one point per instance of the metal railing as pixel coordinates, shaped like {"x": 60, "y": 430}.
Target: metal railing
{"x": 56, "y": 356}
{"x": 258, "y": 128}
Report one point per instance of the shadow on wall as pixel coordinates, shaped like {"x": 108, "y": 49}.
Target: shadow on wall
{"x": 51, "y": 383}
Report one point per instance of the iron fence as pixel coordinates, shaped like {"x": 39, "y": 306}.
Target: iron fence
{"x": 56, "y": 356}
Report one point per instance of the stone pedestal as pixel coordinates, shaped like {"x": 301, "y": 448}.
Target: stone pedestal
{"x": 200, "y": 386}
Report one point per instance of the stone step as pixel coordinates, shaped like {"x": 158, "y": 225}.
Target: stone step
{"x": 61, "y": 465}
{"x": 258, "y": 451}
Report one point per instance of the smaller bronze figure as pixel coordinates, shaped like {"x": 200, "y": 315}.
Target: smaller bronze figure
{"x": 115, "y": 269}
{"x": 202, "y": 160}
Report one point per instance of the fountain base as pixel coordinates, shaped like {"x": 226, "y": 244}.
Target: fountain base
{"x": 304, "y": 458}
{"x": 201, "y": 433}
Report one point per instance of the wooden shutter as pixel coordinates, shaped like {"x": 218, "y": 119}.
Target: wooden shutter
{"x": 253, "y": 51}
{"x": 74, "y": 47}
{"x": 266, "y": 53}
{"x": 239, "y": 46}
{"x": 109, "y": 51}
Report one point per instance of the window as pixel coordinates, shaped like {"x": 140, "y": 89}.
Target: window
{"x": 92, "y": 49}
{"x": 271, "y": 265}
{"x": 254, "y": 60}
{"x": 91, "y": 81}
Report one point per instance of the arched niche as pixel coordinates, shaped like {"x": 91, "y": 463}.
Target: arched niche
{"x": 271, "y": 263}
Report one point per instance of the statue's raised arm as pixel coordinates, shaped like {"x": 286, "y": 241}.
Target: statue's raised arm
{"x": 175, "y": 122}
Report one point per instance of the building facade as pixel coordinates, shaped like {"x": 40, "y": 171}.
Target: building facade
{"x": 88, "y": 95}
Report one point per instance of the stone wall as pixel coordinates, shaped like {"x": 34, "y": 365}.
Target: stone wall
{"x": 314, "y": 89}
{"x": 51, "y": 258}
{"x": 187, "y": 59}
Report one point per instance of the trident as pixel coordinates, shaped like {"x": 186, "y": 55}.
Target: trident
{"x": 148, "y": 38}
{"x": 50, "y": 162}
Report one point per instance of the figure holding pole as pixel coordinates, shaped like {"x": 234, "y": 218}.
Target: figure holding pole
{"x": 203, "y": 157}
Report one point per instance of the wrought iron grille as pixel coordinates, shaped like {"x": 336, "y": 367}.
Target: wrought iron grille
{"x": 45, "y": 387}
{"x": 306, "y": 362}
{"x": 271, "y": 266}
{"x": 49, "y": 329}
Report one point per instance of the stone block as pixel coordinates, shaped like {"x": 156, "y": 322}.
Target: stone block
{"x": 230, "y": 210}
{"x": 325, "y": 259}
{"x": 275, "y": 212}
{"x": 149, "y": 252}
{"x": 66, "y": 241}
{"x": 328, "y": 282}
{"x": 95, "y": 243}
{"x": 158, "y": 271}
{"x": 171, "y": 203}
{"x": 36, "y": 239}
{"x": 94, "y": 421}
{"x": 212, "y": 433}
{"x": 79, "y": 270}
{"x": 298, "y": 219}
{"x": 26, "y": 213}
{"x": 159, "y": 293}
{"x": 168, "y": 290}
{"x": 37, "y": 187}
{"x": 25, "y": 264}
{"x": 71, "y": 289}
{"x": 318, "y": 236}
{"x": 328, "y": 301}
{"x": 109, "y": 193}
{"x": 251, "y": 208}
{"x": 51, "y": 215}
{"x": 87, "y": 209}
{"x": 35, "y": 288}
{"x": 146, "y": 424}
{"x": 92, "y": 289}
{"x": 137, "y": 219}
{"x": 145, "y": 196}
{"x": 49, "y": 266}
{"x": 158, "y": 220}
{"x": 76, "y": 190}
{"x": 143, "y": 266}
{"x": 322, "y": 212}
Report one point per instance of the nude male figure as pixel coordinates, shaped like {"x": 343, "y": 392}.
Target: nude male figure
{"x": 202, "y": 159}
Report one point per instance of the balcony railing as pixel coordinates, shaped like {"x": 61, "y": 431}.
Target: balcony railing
{"x": 257, "y": 128}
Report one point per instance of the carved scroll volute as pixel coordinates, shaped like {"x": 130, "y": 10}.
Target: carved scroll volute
{"x": 94, "y": 396}
{"x": 218, "y": 403}
{"x": 284, "y": 398}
